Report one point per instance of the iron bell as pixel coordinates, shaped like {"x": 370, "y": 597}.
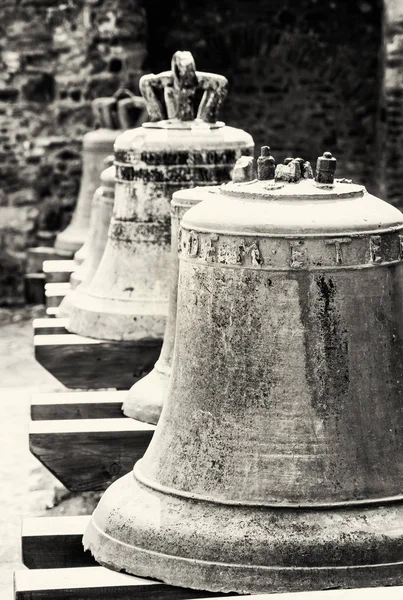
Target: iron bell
{"x": 277, "y": 463}
{"x": 127, "y": 298}
{"x": 109, "y": 118}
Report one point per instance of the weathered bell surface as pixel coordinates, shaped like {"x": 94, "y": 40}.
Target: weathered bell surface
{"x": 147, "y": 396}
{"x": 110, "y": 119}
{"x": 277, "y": 463}
{"x": 128, "y": 295}
{"x": 101, "y": 214}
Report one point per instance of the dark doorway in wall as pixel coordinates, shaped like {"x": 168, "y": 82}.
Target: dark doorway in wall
{"x": 304, "y": 76}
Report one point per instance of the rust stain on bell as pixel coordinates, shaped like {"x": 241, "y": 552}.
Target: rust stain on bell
{"x": 277, "y": 462}
{"x": 182, "y": 146}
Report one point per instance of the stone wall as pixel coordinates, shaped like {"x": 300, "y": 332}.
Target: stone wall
{"x": 55, "y": 57}
{"x": 304, "y": 77}
{"x": 393, "y": 102}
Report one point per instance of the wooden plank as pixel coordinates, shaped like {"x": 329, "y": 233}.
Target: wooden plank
{"x": 95, "y": 583}
{"x": 98, "y": 583}
{"x": 49, "y": 326}
{"x": 87, "y": 363}
{"x": 54, "y": 542}
{"x": 52, "y": 311}
{"x": 55, "y": 292}
{"x": 89, "y": 454}
{"x": 34, "y": 288}
{"x": 78, "y": 405}
{"x": 58, "y": 271}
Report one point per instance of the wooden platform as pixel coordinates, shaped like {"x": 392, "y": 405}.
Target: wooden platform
{"x": 35, "y": 278}
{"x": 60, "y": 569}
{"x": 77, "y": 405}
{"x": 86, "y": 441}
{"x": 86, "y": 363}
{"x": 55, "y": 292}
{"x": 58, "y": 271}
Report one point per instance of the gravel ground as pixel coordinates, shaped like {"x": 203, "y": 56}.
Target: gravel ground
{"x": 27, "y": 488}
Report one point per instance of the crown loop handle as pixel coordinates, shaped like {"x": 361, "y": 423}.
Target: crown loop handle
{"x": 180, "y": 86}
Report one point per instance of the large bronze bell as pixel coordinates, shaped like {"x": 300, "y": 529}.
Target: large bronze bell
{"x": 146, "y": 397}
{"x": 101, "y": 214}
{"x": 127, "y": 298}
{"x": 97, "y": 145}
{"x": 277, "y": 463}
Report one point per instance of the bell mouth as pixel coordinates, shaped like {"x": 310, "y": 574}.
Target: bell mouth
{"x": 244, "y": 549}
{"x": 178, "y": 124}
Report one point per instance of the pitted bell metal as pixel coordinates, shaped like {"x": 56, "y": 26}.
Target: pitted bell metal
{"x": 147, "y": 396}
{"x": 277, "y": 463}
{"x": 128, "y": 295}
{"x": 97, "y": 145}
{"x": 101, "y": 214}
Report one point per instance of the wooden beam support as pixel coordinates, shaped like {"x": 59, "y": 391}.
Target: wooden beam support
{"x": 95, "y": 583}
{"x": 89, "y": 454}
{"x": 55, "y": 292}
{"x": 58, "y": 271}
{"x": 54, "y": 542}
{"x": 49, "y": 326}
{"x": 78, "y": 405}
{"x": 87, "y": 363}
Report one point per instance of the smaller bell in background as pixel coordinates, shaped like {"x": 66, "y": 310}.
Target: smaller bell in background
{"x": 101, "y": 214}
{"x": 182, "y": 146}
{"x": 146, "y": 397}
{"x": 97, "y": 145}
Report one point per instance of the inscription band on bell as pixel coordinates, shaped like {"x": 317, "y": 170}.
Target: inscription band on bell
{"x": 286, "y": 253}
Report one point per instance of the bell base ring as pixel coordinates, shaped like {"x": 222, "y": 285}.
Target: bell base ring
{"x": 146, "y": 397}
{"x": 115, "y": 319}
{"x": 216, "y": 547}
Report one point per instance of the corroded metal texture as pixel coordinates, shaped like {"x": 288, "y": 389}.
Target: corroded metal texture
{"x": 277, "y": 463}
{"x": 128, "y": 296}
{"x": 97, "y": 145}
{"x": 101, "y": 214}
{"x": 147, "y": 396}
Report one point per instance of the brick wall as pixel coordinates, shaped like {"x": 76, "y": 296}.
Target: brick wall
{"x": 55, "y": 57}
{"x": 393, "y": 102}
{"x": 304, "y": 75}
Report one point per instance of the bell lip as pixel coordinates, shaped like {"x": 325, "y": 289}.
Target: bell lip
{"x": 168, "y": 491}
{"x": 178, "y": 124}
{"x": 120, "y": 538}
{"x": 230, "y": 571}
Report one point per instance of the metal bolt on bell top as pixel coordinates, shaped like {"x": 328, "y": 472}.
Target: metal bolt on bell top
{"x": 277, "y": 462}
{"x": 182, "y": 146}
{"x": 146, "y": 397}
{"x": 97, "y": 145}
